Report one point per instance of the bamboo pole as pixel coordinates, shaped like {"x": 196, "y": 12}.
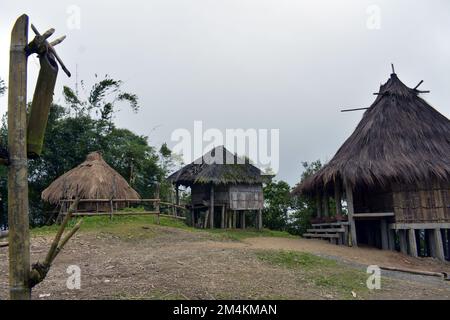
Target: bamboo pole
{"x": 19, "y": 235}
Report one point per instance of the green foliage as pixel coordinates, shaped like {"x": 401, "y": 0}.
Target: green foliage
{"x": 287, "y": 213}
{"x": 85, "y": 125}
{"x": 277, "y": 205}
{"x": 2, "y": 87}
{"x": 304, "y": 206}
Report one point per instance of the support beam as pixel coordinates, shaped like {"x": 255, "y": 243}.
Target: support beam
{"x": 326, "y": 205}
{"x": 193, "y": 217}
{"x": 177, "y": 198}
{"x": 243, "y": 219}
{"x": 412, "y": 243}
{"x": 211, "y": 208}
{"x": 438, "y": 244}
{"x": 260, "y": 222}
{"x": 384, "y": 234}
{"x": 234, "y": 219}
{"x": 403, "y": 242}
{"x": 351, "y": 211}
{"x": 222, "y": 220}
{"x": 391, "y": 239}
{"x": 431, "y": 244}
{"x": 338, "y": 198}
{"x": 19, "y": 234}
{"x": 319, "y": 205}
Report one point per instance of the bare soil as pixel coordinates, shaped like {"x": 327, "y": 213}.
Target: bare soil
{"x": 172, "y": 263}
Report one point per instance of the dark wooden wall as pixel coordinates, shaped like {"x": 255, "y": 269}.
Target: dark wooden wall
{"x": 427, "y": 203}
{"x": 236, "y": 197}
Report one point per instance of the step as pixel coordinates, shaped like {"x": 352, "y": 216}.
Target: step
{"x": 340, "y": 230}
{"x": 321, "y": 236}
{"x": 331, "y": 224}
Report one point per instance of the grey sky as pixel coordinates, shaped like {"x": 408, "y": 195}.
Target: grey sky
{"x": 288, "y": 65}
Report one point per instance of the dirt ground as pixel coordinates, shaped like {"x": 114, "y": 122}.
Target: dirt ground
{"x": 172, "y": 263}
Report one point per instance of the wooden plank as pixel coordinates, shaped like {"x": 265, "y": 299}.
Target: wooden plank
{"x": 318, "y": 225}
{"x": 421, "y": 226}
{"x": 117, "y": 213}
{"x": 328, "y": 236}
{"x": 333, "y": 230}
{"x": 373, "y": 215}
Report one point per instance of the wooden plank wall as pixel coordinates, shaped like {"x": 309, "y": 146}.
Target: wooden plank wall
{"x": 246, "y": 197}
{"x": 422, "y": 204}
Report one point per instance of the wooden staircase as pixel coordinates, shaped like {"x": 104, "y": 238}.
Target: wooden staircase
{"x": 335, "y": 232}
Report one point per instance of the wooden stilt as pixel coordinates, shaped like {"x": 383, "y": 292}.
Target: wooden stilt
{"x": 338, "y": 198}
{"x": 384, "y": 235}
{"x": 319, "y": 205}
{"x": 243, "y": 219}
{"x": 412, "y": 243}
{"x": 205, "y": 223}
{"x": 439, "y": 248}
{"x": 326, "y": 205}
{"x": 177, "y": 198}
{"x": 211, "y": 214}
{"x": 260, "y": 222}
{"x": 431, "y": 243}
{"x": 222, "y": 220}
{"x": 234, "y": 219}
{"x": 391, "y": 239}
{"x": 403, "y": 242}
{"x": 193, "y": 217}
{"x": 349, "y": 193}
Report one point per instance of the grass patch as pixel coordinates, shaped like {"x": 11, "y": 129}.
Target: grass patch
{"x": 335, "y": 278}
{"x": 125, "y": 227}
{"x": 132, "y": 227}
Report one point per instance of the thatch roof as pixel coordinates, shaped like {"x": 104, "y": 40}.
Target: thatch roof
{"x": 93, "y": 179}
{"x": 218, "y": 166}
{"x": 400, "y": 138}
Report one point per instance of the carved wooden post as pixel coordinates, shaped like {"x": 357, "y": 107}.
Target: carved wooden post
{"x": 351, "y": 211}
{"x": 19, "y": 234}
{"x": 211, "y": 210}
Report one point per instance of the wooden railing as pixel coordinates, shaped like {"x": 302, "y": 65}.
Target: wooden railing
{"x": 157, "y": 203}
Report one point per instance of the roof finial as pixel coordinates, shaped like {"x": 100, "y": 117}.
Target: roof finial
{"x": 393, "y": 69}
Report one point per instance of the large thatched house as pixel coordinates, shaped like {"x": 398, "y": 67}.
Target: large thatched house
{"x": 93, "y": 179}
{"x": 223, "y": 186}
{"x": 395, "y": 172}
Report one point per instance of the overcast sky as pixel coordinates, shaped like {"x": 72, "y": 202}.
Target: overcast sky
{"x": 278, "y": 64}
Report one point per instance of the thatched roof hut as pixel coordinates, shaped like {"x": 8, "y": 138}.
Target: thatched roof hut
{"x": 218, "y": 166}
{"x": 223, "y": 185}
{"x": 401, "y": 138}
{"x": 395, "y": 167}
{"x": 93, "y": 179}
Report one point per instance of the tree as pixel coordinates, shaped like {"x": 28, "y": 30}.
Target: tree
{"x": 84, "y": 125}
{"x": 304, "y": 206}
{"x": 277, "y": 205}
{"x": 2, "y": 87}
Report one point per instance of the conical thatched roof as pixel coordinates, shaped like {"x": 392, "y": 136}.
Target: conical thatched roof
{"x": 94, "y": 179}
{"x": 218, "y": 166}
{"x": 400, "y": 138}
